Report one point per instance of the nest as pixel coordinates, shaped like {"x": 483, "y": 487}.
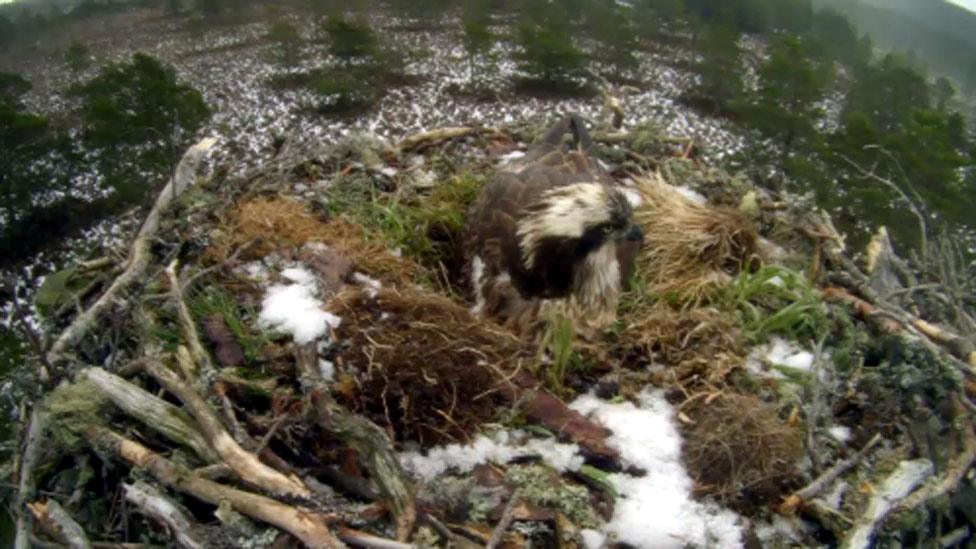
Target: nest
{"x": 270, "y": 224}
{"x": 690, "y": 249}
{"x": 740, "y": 451}
{"x": 423, "y": 366}
{"x": 696, "y": 346}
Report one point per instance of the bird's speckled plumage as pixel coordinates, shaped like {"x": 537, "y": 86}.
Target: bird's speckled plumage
{"x": 551, "y": 233}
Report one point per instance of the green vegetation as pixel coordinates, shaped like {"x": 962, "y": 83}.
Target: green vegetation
{"x": 77, "y": 56}
{"x": 288, "y": 42}
{"x": 478, "y": 39}
{"x": 548, "y": 56}
{"x": 775, "y": 300}
{"x": 131, "y": 105}
{"x": 719, "y": 85}
{"x": 614, "y": 29}
{"x": 24, "y": 139}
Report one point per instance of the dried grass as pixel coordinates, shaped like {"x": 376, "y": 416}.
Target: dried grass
{"x": 697, "y": 347}
{"x": 740, "y": 451}
{"x": 690, "y": 249}
{"x": 270, "y": 224}
{"x": 425, "y": 367}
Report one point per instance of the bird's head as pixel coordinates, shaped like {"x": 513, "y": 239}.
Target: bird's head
{"x": 574, "y": 234}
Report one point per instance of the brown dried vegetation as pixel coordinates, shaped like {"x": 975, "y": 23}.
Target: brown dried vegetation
{"x": 690, "y": 249}
{"x": 740, "y": 451}
{"x": 425, "y": 368}
{"x": 270, "y": 224}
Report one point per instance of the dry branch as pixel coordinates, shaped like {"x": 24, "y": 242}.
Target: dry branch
{"x": 305, "y": 524}
{"x": 247, "y": 466}
{"x": 59, "y": 524}
{"x": 152, "y": 411}
{"x": 155, "y": 505}
{"x": 139, "y": 254}
{"x": 955, "y": 473}
{"x": 821, "y": 483}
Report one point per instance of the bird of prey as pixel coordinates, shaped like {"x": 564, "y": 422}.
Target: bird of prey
{"x": 552, "y": 234}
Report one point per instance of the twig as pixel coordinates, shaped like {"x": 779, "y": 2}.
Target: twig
{"x": 821, "y": 483}
{"x": 200, "y": 356}
{"x": 247, "y": 466}
{"x": 139, "y": 254}
{"x": 155, "y": 505}
{"x": 305, "y": 524}
{"x": 369, "y": 541}
{"x": 955, "y": 472}
{"x": 508, "y": 515}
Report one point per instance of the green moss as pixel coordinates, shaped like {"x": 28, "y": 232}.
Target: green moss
{"x": 71, "y": 408}
{"x": 541, "y": 486}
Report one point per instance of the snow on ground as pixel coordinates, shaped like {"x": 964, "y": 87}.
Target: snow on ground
{"x": 500, "y": 447}
{"x": 767, "y": 360}
{"x": 656, "y": 510}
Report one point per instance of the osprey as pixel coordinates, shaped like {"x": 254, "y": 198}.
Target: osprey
{"x": 552, "y": 234}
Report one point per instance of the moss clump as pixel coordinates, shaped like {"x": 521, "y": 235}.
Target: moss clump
{"x": 543, "y": 487}
{"x": 71, "y": 408}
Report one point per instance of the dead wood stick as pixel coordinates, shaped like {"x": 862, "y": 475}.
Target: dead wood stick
{"x": 59, "y": 524}
{"x": 200, "y": 355}
{"x": 824, "y": 481}
{"x": 366, "y": 437}
{"x": 247, "y": 465}
{"x": 307, "y": 525}
{"x": 369, "y": 541}
{"x": 153, "y": 412}
{"x": 25, "y": 484}
{"x": 508, "y": 515}
{"x": 956, "y": 470}
{"x": 436, "y": 135}
{"x": 887, "y": 497}
{"x": 152, "y": 503}
{"x": 139, "y": 253}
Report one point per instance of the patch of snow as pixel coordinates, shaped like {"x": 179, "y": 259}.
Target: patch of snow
{"x": 840, "y": 433}
{"x": 294, "y": 308}
{"x": 501, "y": 447}
{"x": 372, "y": 285}
{"x": 656, "y": 510}
{"x": 592, "y": 539}
{"x": 632, "y": 196}
{"x": 691, "y": 194}
{"x": 327, "y": 369}
{"x": 778, "y": 352}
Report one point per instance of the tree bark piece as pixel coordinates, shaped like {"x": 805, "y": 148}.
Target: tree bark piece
{"x": 247, "y": 466}
{"x": 307, "y": 525}
{"x": 155, "y": 505}
{"x": 553, "y": 414}
{"x": 59, "y": 524}
{"x": 139, "y": 253}
{"x": 157, "y": 414}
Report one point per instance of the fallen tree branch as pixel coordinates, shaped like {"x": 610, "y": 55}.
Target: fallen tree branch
{"x": 956, "y": 471}
{"x": 166, "y": 419}
{"x": 369, "y": 541}
{"x": 247, "y": 466}
{"x": 887, "y": 497}
{"x": 190, "y": 334}
{"x": 152, "y": 503}
{"x": 824, "y": 481}
{"x": 508, "y": 515}
{"x": 139, "y": 254}
{"x": 307, "y": 525}
{"x": 59, "y": 524}
{"x": 365, "y": 437}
